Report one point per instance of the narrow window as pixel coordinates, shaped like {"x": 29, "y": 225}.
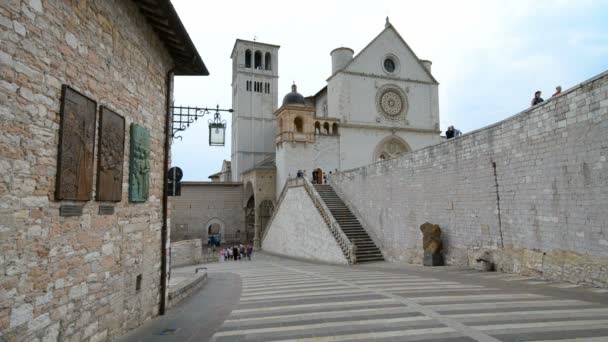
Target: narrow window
{"x": 299, "y": 124}
{"x": 326, "y": 128}
{"x": 248, "y": 58}
{"x": 258, "y": 60}
{"x": 267, "y": 61}
{"x": 138, "y": 283}
{"x": 334, "y": 129}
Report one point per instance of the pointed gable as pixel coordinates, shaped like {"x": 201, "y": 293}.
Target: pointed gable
{"x": 390, "y": 43}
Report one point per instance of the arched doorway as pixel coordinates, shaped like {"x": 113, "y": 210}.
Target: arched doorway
{"x": 390, "y": 147}
{"x": 250, "y": 219}
{"x": 266, "y": 210}
{"x": 317, "y": 176}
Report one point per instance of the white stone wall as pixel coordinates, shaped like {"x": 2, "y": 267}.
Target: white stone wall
{"x": 298, "y": 230}
{"x": 186, "y": 252}
{"x": 550, "y": 177}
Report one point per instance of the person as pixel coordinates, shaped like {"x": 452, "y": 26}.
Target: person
{"x": 241, "y": 251}
{"x": 222, "y": 255}
{"x": 249, "y": 251}
{"x": 235, "y": 252}
{"x": 449, "y": 134}
{"x": 537, "y": 99}
{"x": 558, "y": 90}
{"x": 457, "y": 132}
{"x": 300, "y": 174}
{"x": 228, "y": 253}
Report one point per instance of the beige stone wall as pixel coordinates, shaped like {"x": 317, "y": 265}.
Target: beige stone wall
{"x": 532, "y": 190}
{"x": 205, "y": 203}
{"x": 74, "y": 278}
{"x": 186, "y": 252}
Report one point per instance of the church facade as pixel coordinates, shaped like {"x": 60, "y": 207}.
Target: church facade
{"x": 376, "y": 105}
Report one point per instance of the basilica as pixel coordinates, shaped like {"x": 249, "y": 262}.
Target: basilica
{"x": 376, "y": 105}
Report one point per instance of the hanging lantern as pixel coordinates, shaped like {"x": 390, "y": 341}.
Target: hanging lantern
{"x": 217, "y": 130}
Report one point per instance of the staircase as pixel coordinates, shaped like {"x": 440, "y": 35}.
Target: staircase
{"x": 366, "y": 248}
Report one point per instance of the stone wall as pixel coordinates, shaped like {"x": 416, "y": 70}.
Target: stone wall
{"x": 204, "y": 203}
{"x": 74, "y": 278}
{"x": 532, "y": 190}
{"x": 186, "y": 252}
{"x": 298, "y": 230}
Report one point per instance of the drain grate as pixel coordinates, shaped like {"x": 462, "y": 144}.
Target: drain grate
{"x": 168, "y": 331}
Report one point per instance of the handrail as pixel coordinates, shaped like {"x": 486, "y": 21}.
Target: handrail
{"x": 348, "y": 248}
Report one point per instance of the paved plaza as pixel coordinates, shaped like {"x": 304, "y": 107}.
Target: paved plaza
{"x": 274, "y": 299}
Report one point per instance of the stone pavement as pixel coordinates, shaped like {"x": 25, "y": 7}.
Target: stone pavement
{"x": 288, "y": 300}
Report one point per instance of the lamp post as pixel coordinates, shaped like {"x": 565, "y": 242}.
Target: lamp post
{"x": 183, "y": 116}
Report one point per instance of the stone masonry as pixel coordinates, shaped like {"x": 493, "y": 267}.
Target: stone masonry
{"x": 74, "y": 278}
{"x": 532, "y": 190}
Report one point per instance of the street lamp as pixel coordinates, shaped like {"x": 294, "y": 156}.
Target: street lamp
{"x": 184, "y": 116}
{"x": 217, "y": 130}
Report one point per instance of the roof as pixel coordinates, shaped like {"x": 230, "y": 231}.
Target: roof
{"x": 251, "y": 42}
{"x": 388, "y": 26}
{"x": 215, "y": 175}
{"x": 161, "y": 15}
{"x": 266, "y": 164}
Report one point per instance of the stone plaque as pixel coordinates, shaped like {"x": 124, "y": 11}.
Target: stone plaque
{"x": 139, "y": 164}
{"x": 70, "y": 210}
{"x": 106, "y": 210}
{"x": 76, "y": 146}
{"x": 111, "y": 156}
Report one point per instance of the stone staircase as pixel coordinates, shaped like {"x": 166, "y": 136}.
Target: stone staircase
{"x": 366, "y": 249}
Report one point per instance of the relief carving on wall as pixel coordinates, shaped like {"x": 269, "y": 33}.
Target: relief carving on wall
{"x": 76, "y": 146}
{"x": 111, "y": 156}
{"x": 139, "y": 164}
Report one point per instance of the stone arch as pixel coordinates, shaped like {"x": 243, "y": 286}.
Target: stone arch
{"x": 249, "y": 209}
{"x": 390, "y": 147}
{"x": 298, "y": 124}
{"x": 214, "y": 222}
{"x": 317, "y": 127}
{"x": 266, "y": 210}
{"x": 257, "y": 59}
{"x": 267, "y": 61}
{"x": 326, "y": 128}
{"x": 334, "y": 129}
{"x": 247, "y": 58}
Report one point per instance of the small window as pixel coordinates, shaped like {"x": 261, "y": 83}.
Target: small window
{"x": 258, "y": 60}
{"x": 267, "y": 61}
{"x": 389, "y": 65}
{"x": 248, "y": 58}
{"x": 138, "y": 282}
{"x": 299, "y": 125}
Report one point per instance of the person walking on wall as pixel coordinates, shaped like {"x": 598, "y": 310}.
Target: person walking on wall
{"x": 537, "y": 99}
{"x": 449, "y": 134}
{"x": 558, "y": 90}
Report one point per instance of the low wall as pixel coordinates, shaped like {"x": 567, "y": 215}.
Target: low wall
{"x": 186, "y": 252}
{"x": 303, "y": 235}
{"x": 532, "y": 190}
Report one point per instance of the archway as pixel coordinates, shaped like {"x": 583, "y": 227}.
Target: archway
{"x": 250, "y": 219}
{"x": 216, "y": 227}
{"x": 390, "y": 147}
{"x": 266, "y": 210}
{"x": 317, "y": 176}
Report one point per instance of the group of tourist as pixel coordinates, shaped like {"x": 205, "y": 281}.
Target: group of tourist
{"x": 452, "y": 133}
{"x": 236, "y": 252}
{"x": 214, "y": 241}
{"x": 538, "y": 99}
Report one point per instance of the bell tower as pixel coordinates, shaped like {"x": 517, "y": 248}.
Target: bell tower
{"x": 255, "y": 77}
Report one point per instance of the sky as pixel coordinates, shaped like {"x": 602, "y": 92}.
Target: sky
{"x": 489, "y": 57}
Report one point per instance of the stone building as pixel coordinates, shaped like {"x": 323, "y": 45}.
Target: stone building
{"x": 83, "y": 216}
{"x": 376, "y": 105}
